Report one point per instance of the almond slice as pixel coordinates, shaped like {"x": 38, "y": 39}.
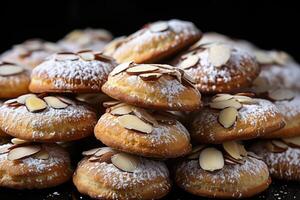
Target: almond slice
{"x": 281, "y": 94}
{"x": 5, "y": 149}
{"x": 121, "y": 110}
{"x": 87, "y": 56}
{"x": 125, "y": 162}
{"x": 195, "y": 153}
{"x": 189, "y": 62}
{"x": 253, "y": 155}
{"x": 261, "y": 85}
{"x": 150, "y": 76}
{"x": 235, "y": 161}
{"x": 35, "y": 104}
{"x": 8, "y": 70}
{"x": 66, "y": 100}
{"x": 211, "y": 159}
{"x": 19, "y": 141}
{"x": 22, "y": 99}
{"x": 233, "y": 149}
{"x": 227, "y": 117}
{"x": 189, "y": 79}
{"x": 159, "y": 27}
{"x": 243, "y": 151}
{"x": 66, "y": 56}
{"x": 134, "y": 123}
{"x": 225, "y": 104}
{"x": 55, "y": 102}
{"x": 90, "y": 152}
{"x": 247, "y": 94}
{"x": 272, "y": 148}
{"x": 103, "y": 150}
{"x": 42, "y": 155}
{"x": 294, "y": 141}
{"x": 11, "y": 101}
{"x": 105, "y": 157}
{"x": 219, "y": 54}
{"x": 263, "y": 57}
{"x": 280, "y": 144}
{"x": 120, "y": 68}
{"x": 142, "y": 68}
{"x": 108, "y": 104}
{"x": 22, "y": 152}
{"x": 144, "y": 115}
{"x": 244, "y": 99}
{"x": 221, "y": 97}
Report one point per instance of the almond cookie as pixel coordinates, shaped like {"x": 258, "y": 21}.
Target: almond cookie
{"x": 282, "y": 157}
{"x": 30, "y": 53}
{"x": 94, "y": 39}
{"x": 153, "y": 86}
{"x": 107, "y": 174}
{"x": 138, "y": 131}
{"x": 14, "y": 80}
{"x": 46, "y": 118}
{"x": 26, "y": 165}
{"x": 82, "y": 72}
{"x": 226, "y": 171}
{"x": 156, "y": 41}
{"x": 235, "y": 117}
{"x": 218, "y": 67}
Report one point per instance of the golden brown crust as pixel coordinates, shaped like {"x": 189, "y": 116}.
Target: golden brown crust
{"x": 104, "y": 181}
{"x": 34, "y": 173}
{"x": 233, "y": 181}
{"x": 146, "y": 46}
{"x": 254, "y": 120}
{"x": 165, "y": 141}
{"x": 50, "y": 125}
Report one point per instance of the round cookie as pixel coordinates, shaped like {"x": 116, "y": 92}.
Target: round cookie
{"x": 14, "y": 80}
{"x": 82, "y": 72}
{"x": 218, "y": 67}
{"x": 93, "y": 39}
{"x": 33, "y": 166}
{"x": 157, "y": 41}
{"x": 153, "y": 86}
{"x": 235, "y": 117}
{"x": 46, "y": 118}
{"x": 30, "y": 53}
{"x": 281, "y": 156}
{"x": 137, "y": 131}
{"x": 211, "y": 172}
{"x": 112, "y": 175}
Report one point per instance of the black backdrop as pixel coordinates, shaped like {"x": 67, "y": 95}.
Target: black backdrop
{"x": 269, "y": 24}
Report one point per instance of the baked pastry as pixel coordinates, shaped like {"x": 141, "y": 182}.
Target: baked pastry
{"x": 218, "y": 67}
{"x": 282, "y": 157}
{"x": 137, "y": 131}
{"x": 107, "y": 174}
{"x": 46, "y": 118}
{"x": 82, "y": 72}
{"x": 93, "y": 39}
{"x": 226, "y": 171}
{"x": 235, "y": 117}
{"x": 30, "y": 53}
{"x": 33, "y": 166}
{"x": 153, "y": 86}
{"x": 14, "y": 80}
{"x": 157, "y": 41}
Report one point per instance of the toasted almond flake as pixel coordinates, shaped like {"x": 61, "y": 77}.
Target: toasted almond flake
{"x": 121, "y": 110}
{"x": 261, "y": 85}
{"x": 9, "y": 70}
{"x": 253, "y": 155}
{"x": 150, "y": 76}
{"x": 120, "y": 68}
{"x": 19, "y": 141}
{"x": 263, "y": 57}
{"x": 42, "y": 155}
{"x": 233, "y": 149}
{"x": 244, "y": 99}
{"x": 125, "y": 162}
{"x": 142, "y": 68}
{"x": 247, "y": 94}
{"x": 66, "y": 100}
{"x": 189, "y": 62}
{"x": 165, "y": 66}
{"x": 22, "y": 152}
{"x": 280, "y": 57}
{"x": 159, "y": 27}
{"x": 195, "y": 153}
{"x": 225, "y": 104}
{"x": 227, "y": 117}
{"x": 221, "y": 97}
{"x": 35, "y": 104}
{"x": 103, "y": 150}
{"x": 281, "y": 94}
{"x": 22, "y": 99}
{"x": 272, "y": 148}
{"x": 54, "y": 102}
{"x": 4, "y": 149}
{"x": 189, "y": 79}
{"x": 108, "y": 104}
{"x": 211, "y": 159}
{"x": 294, "y": 141}
{"x": 219, "y": 54}
{"x": 87, "y": 56}
{"x": 106, "y": 157}
{"x": 280, "y": 144}
{"x": 229, "y": 162}
{"x": 66, "y": 56}
{"x": 235, "y": 161}
{"x": 243, "y": 151}
{"x": 144, "y": 115}
{"x": 132, "y": 122}
{"x": 90, "y": 152}
{"x": 99, "y": 56}
{"x": 10, "y": 101}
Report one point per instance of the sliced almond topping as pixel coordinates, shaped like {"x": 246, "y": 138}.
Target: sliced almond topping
{"x": 275, "y": 149}
{"x": 66, "y": 56}
{"x": 150, "y": 76}
{"x": 281, "y": 94}
{"x": 22, "y": 152}
{"x": 211, "y": 159}
{"x": 261, "y": 85}
{"x": 108, "y": 104}
{"x": 228, "y": 116}
{"x": 132, "y": 122}
{"x": 4, "y": 149}
{"x": 103, "y": 150}
{"x": 195, "y": 153}
{"x": 263, "y": 57}
{"x": 225, "y": 104}
{"x": 142, "y": 68}
{"x": 159, "y": 27}
{"x": 90, "y": 152}
{"x": 189, "y": 62}
{"x": 8, "y": 70}
{"x": 243, "y": 151}
{"x": 221, "y": 97}
{"x": 233, "y": 149}
{"x": 245, "y": 99}
{"x": 125, "y": 162}
{"x": 35, "y": 104}
{"x": 280, "y": 144}
{"x": 55, "y": 102}
{"x": 280, "y": 57}
{"x": 66, "y": 100}
{"x": 106, "y": 157}
{"x": 121, "y": 110}
{"x": 253, "y": 155}
{"x": 120, "y": 68}
{"x": 87, "y": 56}
{"x": 11, "y": 101}
{"x": 189, "y": 79}
{"x": 235, "y": 161}
{"x": 19, "y": 141}
{"x": 219, "y": 54}
{"x": 247, "y": 94}
{"x": 294, "y": 141}
{"x": 22, "y": 99}
{"x": 144, "y": 115}
{"x": 42, "y": 155}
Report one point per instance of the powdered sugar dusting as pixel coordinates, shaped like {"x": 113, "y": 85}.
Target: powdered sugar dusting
{"x": 289, "y": 108}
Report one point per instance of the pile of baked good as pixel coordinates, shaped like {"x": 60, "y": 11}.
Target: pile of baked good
{"x": 216, "y": 115}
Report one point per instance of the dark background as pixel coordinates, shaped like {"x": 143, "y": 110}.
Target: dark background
{"x": 269, "y": 24}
